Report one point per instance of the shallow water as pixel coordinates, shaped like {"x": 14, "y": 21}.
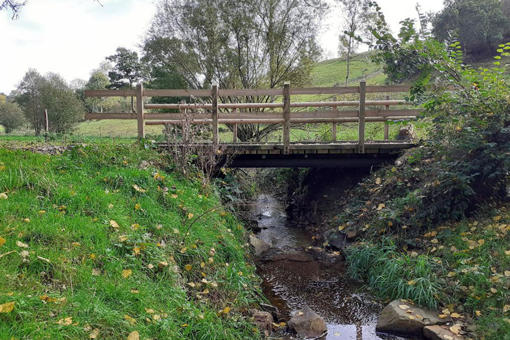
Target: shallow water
{"x": 350, "y": 313}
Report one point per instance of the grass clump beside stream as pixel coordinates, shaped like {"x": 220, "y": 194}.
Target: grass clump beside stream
{"x": 102, "y": 241}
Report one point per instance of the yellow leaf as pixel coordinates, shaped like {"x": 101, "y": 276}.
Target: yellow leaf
{"x": 184, "y": 250}
{"x": 455, "y": 329}
{"x": 94, "y": 334}
{"x": 129, "y": 319}
{"x": 2, "y": 241}
{"x": 126, "y": 273}
{"x": 184, "y": 325}
{"x": 378, "y": 181}
{"x": 66, "y": 321}
{"x": 456, "y": 315}
{"x": 478, "y": 313}
{"x": 136, "y": 251}
{"x": 190, "y": 216}
{"x": 481, "y": 242}
{"x": 494, "y": 290}
{"x": 507, "y": 252}
{"x": 137, "y": 188}
{"x": 163, "y": 264}
{"x": 451, "y": 274}
{"x": 137, "y": 206}
{"x": 123, "y": 238}
{"x": 496, "y": 218}
{"x": 381, "y": 206}
{"x": 188, "y": 267}
{"x": 507, "y": 273}
{"x": 342, "y": 227}
{"x": 443, "y": 316}
{"x": 174, "y": 196}
{"x": 206, "y": 291}
{"x": 393, "y": 169}
{"x": 96, "y": 272}
{"x": 134, "y": 336}
{"x": 3, "y": 196}
{"x": 114, "y": 224}
{"x": 26, "y": 220}
{"x": 411, "y": 283}
{"x": 226, "y": 310}
{"x": 506, "y": 308}
{"x": 404, "y": 307}
{"x": 7, "y": 307}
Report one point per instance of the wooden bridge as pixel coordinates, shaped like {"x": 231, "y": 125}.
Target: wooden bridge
{"x": 218, "y": 107}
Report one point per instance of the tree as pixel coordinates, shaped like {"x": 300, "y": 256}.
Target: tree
{"x": 237, "y": 43}
{"x": 127, "y": 70}
{"x": 11, "y": 116}
{"x": 479, "y": 25}
{"x": 97, "y": 81}
{"x": 358, "y": 16}
{"x": 37, "y": 93}
{"x": 15, "y": 6}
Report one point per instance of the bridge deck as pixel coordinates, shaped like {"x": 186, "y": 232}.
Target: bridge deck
{"x": 300, "y": 148}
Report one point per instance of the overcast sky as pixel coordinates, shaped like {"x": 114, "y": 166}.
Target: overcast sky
{"x": 71, "y": 37}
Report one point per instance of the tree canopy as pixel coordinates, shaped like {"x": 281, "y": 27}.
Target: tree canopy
{"x": 479, "y": 25}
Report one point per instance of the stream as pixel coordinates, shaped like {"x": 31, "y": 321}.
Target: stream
{"x": 291, "y": 280}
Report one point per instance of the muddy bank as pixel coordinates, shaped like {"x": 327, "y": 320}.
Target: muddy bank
{"x": 297, "y": 273}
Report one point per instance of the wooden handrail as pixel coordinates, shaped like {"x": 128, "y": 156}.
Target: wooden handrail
{"x": 229, "y": 113}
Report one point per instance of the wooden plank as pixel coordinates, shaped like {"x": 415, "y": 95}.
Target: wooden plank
{"x": 393, "y": 113}
{"x": 334, "y": 127}
{"x": 383, "y": 89}
{"x": 286, "y": 117}
{"x": 197, "y": 121}
{"x": 178, "y": 93}
{"x": 362, "y": 115}
{"x": 324, "y": 90}
{"x": 234, "y": 127}
{"x": 110, "y": 93}
{"x": 349, "y": 103}
{"x": 108, "y": 116}
{"x": 139, "y": 111}
{"x": 251, "y": 92}
{"x": 177, "y": 106}
{"x": 216, "y": 133}
{"x": 386, "y": 125}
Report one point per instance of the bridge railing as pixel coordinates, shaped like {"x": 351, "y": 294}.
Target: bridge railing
{"x": 217, "y": 110}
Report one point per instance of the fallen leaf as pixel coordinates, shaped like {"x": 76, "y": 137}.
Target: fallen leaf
{"x": 66, "y": 321}
{"x": 404, "y": 307}
{"x": 378, "y": 181}
{"x": 2, "y": 241}
{"x": 96, "y": 272}
{"x": 451, "y": 274}
{"x": 226, "y": 310}
{"x": 455, "y": 329}
{"x": 190, "y": 216}
{"x": 21, "y": 244}
{"x": 456, "y": 315}
{"x": 506, "y": 308}
{"x": 342, "y": 227}
{"x": 7, "y": 307}
{"x": 478, "y": 313}
{"x": 507, "y": 273}
{"x": 134, "y": 336}
{"x": 126, "y": 273}
{"x": 3, "y": 196}
{"x": 137, "y": 188}
{"x": 129, "y": 319}
{"x": 94, "y": 334}
{"x": 114, "y": 224}
{"x": 188, "y": 267}
{"x": 381, "y": 206}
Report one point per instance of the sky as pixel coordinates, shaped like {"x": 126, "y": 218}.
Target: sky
{"x": 72, "y": 37}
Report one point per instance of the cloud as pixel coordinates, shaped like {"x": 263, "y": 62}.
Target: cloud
{"x": 68, "y": 37}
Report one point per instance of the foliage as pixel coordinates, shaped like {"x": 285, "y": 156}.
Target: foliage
{"x": 103, "y": 239}
{"x": 358, "y": 16}
{"x": 127, "y": 70}
{"x": 11, "y": 116}
{"x": 14, "y": 5}
{"x": 51, "y": 92}
{"x": 237, "y": 44}
{"x": 479, "y": 25}
{"x": 454, "y": 267}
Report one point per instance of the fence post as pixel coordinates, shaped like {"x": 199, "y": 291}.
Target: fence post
{"x": 139, "y": 111}
{"x": 46, "y": 121}
{"x": 216, "y": 139}
{"x": 333, "y": 131}
{"x": 362, "y": 116}
{"x": 234, "y": 128}
{"x": 386, "y": 125}
{"x": 286, "y": 118}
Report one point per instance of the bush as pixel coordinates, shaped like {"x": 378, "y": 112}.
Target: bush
{"x": 11, "y": 116}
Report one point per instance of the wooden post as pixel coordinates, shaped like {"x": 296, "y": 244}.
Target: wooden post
{"x": 386, "y": 125}
{"x": 362, "y": 116}
{"x": 216, "y": 139}
{"x": 46, "y": 121}
{"x": 234, "y": 129}
{"x": 286, "y": 118}
{"x": 333, "y": 132}
{"x": 139, "y": 111}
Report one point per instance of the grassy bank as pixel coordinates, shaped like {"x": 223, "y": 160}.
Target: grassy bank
{"x": 102, "y": 242}
{"x": 459, "y": 267}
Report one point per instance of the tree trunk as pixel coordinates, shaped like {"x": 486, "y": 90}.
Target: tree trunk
{"x": 348, "y": 62}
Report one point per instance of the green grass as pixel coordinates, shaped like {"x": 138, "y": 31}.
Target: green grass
{"x": 464, "y": 264}
{"x": 76, "y": 225}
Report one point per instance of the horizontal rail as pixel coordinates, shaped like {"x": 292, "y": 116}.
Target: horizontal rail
{"x": 273, "y": 105}
{"x": 257, "y": 116}
{"x": 110, "y": 93}
{"x": 177, "y": 93}
{"x": 276, "y": 121}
